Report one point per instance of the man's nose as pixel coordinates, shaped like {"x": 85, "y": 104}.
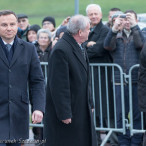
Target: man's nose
{"x": 9, "y": 27}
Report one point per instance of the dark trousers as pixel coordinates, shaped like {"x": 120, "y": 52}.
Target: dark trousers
{"x": 126, "y": 140}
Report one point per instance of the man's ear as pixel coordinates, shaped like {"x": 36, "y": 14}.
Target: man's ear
{"x": 80, "y": 32}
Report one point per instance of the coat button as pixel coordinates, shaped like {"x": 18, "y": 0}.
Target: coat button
{"x": 9, "y": 70}
{"x": 10, "y": 86}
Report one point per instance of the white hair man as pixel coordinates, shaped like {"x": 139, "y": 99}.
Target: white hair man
{"x": 69, "y": 118}
{"x": 97, "y": 54}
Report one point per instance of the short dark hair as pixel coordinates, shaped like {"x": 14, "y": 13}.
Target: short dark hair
{"x": 20, "y": 16}
{"x": 7, "y": 12}
{"x": 131, "y": 11}
{"x": 115, "y": 9}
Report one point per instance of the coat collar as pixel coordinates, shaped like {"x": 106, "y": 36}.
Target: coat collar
{"x": 2, "y": 53}
{"x": 76, "y": 49}
{"x": 17, "y": 50}
{"x": 98, "y": 27}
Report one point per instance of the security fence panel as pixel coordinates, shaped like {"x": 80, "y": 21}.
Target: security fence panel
{"x": 133, "y": 129}
{"x": 104, "y": 84}
{"x": 106, "y": 81}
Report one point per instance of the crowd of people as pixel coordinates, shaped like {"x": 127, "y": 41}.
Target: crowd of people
{"x": 66, "y": 103}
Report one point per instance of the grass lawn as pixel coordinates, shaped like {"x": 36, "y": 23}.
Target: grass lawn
{"x": 38, "y": 9}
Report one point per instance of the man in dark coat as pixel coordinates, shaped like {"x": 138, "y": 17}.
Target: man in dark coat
{"x": 69, "y": 118}
{"x": 19, "y": 67}
{"x": 125, "y": 41}
{"x": 97, "y": 54}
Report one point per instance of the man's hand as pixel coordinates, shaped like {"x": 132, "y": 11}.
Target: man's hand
{"x": 37, "y": 116}
{"x": 67, "y": 121}
{"x": 91, "y": 43}
{"x": 118, "y": 25}
{"x": 132, "y": 19}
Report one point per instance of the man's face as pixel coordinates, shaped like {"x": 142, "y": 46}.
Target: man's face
{"x": 94, "y": 15}
{"x": 8, "y": 27}
{"x": 111, "y": 13}
{"x": 84, "y": 34}
{"x": 48, "y": 25}
{"x": 127, "y": 25}
{"x": 23, "y": 23}
{"x": 127, "y": 21}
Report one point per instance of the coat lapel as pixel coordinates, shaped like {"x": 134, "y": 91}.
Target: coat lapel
{"x": 3, "y": 56}
{"x": 80, "y": 57}
{"x": 18, "y": 50}
{"x": 76, "y": 49}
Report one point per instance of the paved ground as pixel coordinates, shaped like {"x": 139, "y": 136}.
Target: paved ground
{"x": 32, "y": 144}
{"x": 31, "y": 137}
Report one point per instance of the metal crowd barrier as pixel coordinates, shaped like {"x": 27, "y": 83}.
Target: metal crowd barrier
{"x": 132, "y": 130}
{"x": 101, "y": 127}
{"x": 124, "y": 78}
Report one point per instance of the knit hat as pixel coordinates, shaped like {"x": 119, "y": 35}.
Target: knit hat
{"x": 34, "y": 27}
{"x": 60, "y": 29}
{"x": 50, "y": 19}
{"x": 19, "y": 16}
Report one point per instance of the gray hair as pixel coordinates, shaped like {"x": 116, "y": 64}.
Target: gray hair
{"x": 44, "y": 31}
{"x": 93, "y": 5}
{"x": 76, "y": 23}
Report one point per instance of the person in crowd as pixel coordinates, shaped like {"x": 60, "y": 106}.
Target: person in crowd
{"x": 59, "y": 33}
{"x": 142, "y": 87}
{"x": 31, "y": 35}
{"x": 111, "y": 13}
{"x": 20, "y": 66}
{"x": 125, "y": 41}
{"x": 49, "y": 23}
{"x": 44, "y": 45}
{"x": 69, "y": 118}
{"x": 114, "y": 17}
{"x": 97, "y": 54}
{"x": 23, "y": 24}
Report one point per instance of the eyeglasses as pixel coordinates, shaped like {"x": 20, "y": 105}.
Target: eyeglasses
{"x": 47, "y": 23}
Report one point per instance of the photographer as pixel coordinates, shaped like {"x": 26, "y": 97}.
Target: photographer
{"x": 125, "y": 41}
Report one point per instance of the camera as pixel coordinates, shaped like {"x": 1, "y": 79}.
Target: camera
{"x": 122, "y": 16}
{"x": 119, "y": 15}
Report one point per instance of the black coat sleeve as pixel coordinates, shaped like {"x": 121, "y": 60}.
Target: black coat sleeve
{"x": 138, "y": 37}
{"x": 110, "y": 41}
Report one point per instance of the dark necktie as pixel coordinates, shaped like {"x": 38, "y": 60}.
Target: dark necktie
{"x": 9, "y": 52}
{"x": 83, "y": 52}
{"x": 8, "y": 47}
